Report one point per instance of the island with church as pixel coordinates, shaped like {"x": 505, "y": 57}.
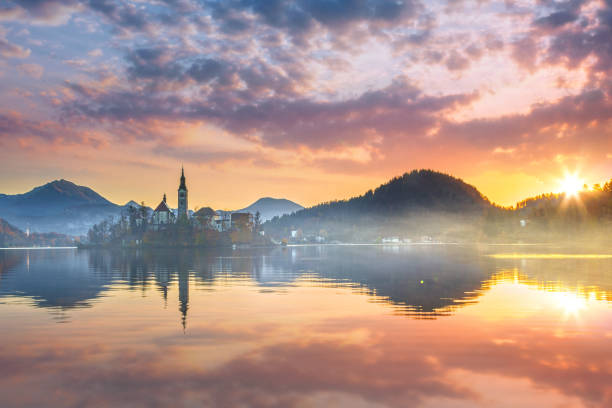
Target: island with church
{"x": 138, "y": 226}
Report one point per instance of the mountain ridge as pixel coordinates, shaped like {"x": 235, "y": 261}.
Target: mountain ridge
{"x": 57, "y": 206}
{"x": 269, "y": 207}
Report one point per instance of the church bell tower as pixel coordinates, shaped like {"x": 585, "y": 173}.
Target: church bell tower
{"x": 182, "y": 196}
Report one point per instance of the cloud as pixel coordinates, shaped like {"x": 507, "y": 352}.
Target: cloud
{"x": 557, "y": 19}
{"x": 457, "y": 62}
{"x": 525, "y": 53}
{"x": 365, "y": 85}
{"x": 210, "y": 156}
{"x": 48, "y": 12}
{"x": 152, "y": 63}
{"x": 125, "y": 16}
{"x": 10, "y": 50}
{"x": 398, "y": 109}
{"x": 33, "y": 70}
{"x": 17, "y": 129}
{"x": 571, "y": 45}
{"x": 302, "y": 18}
{"x": 567, "y": 123}
{"x": 565, "y": 12}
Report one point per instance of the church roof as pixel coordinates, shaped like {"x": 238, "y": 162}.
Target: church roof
{"x": 162, "y": 207}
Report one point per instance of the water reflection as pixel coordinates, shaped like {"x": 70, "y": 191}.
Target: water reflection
{"x": 305, "y": 326}
{"x": 420, "y": 282}
{"x": 60, "y": 279}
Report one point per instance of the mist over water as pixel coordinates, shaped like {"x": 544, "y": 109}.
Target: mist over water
{"x": 391, "y": 326}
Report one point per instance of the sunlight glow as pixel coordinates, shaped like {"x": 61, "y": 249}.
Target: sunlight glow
{"x": 571, "y": 304}
{"x": 572, "y": 184}
{"x": 550, "y": 256}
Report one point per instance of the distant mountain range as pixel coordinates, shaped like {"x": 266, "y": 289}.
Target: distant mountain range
{"x": 269, "y": 208}
{"x": 64, "y": 207}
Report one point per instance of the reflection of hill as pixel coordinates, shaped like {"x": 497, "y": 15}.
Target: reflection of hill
{"x": 420, "y": 281}
{"x": 58, "y": 278}
{"x": 8, "y": 260}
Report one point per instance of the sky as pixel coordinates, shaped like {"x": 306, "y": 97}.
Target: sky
{"x": 310, "y": 100}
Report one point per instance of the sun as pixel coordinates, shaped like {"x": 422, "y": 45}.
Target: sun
{"x": 572, "y": 184}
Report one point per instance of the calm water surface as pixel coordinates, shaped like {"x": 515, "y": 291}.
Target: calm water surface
{"x": 352, "y": 326}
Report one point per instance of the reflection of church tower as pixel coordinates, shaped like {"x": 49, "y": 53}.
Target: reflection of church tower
{"x": 183, "y": 280}
{"x": 163, "y": 280}
{"x": 182, "y": 197}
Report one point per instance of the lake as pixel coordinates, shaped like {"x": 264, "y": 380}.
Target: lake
{"x": 330, "y": 326}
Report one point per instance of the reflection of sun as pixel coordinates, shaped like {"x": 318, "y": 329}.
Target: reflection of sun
{"x": 572, "y": 184}
{"x": 571, "y": 303}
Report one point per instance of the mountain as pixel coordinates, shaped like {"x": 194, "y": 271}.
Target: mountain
{"x": 55, "y": 195}
{"x": 131, "y": 203}
{"x": 419, "y": 203}
{"x": 59, "y": 206}
{"x": 204, "y": 212}
{"x": 125, "y": 207}
{"x": 271, "y": 207}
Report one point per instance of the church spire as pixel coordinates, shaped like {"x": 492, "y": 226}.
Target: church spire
{"x": 182, "y": 197}
{"x": 182, "y": 186}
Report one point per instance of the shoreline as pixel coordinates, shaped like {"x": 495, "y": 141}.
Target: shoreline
{"x": 296, "y": 245}
{"x": 46, "y": 247}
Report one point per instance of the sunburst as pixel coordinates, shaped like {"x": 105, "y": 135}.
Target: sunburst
{"x": 571, "y": 185}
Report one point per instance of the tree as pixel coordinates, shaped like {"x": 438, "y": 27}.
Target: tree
{"x": 144, "y": 215}
{"x": 133, "y": 214}
{"x": 257, "y": 222}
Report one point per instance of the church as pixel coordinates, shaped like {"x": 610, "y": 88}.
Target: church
{"x": 163, "y": 215}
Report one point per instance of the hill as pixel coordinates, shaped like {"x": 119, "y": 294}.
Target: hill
{"x": 585, "y": 216}
{"x": 59, "y": 206}
{"x": 11, "y": 236}
{"x": 271, "y": 207}
{"x": 416, "y": 204}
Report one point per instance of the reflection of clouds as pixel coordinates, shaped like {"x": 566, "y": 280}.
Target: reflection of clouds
{"x": 394, "y": 367}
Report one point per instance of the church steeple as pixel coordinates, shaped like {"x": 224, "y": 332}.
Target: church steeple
{"x": 182, "y": 197}
{"x": 183, "y": 186}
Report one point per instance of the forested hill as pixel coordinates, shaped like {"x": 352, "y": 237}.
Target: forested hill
{"x": 388, "y": 207}
{"x": 419, "y": 189}
{"x": 11, "y": 236}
